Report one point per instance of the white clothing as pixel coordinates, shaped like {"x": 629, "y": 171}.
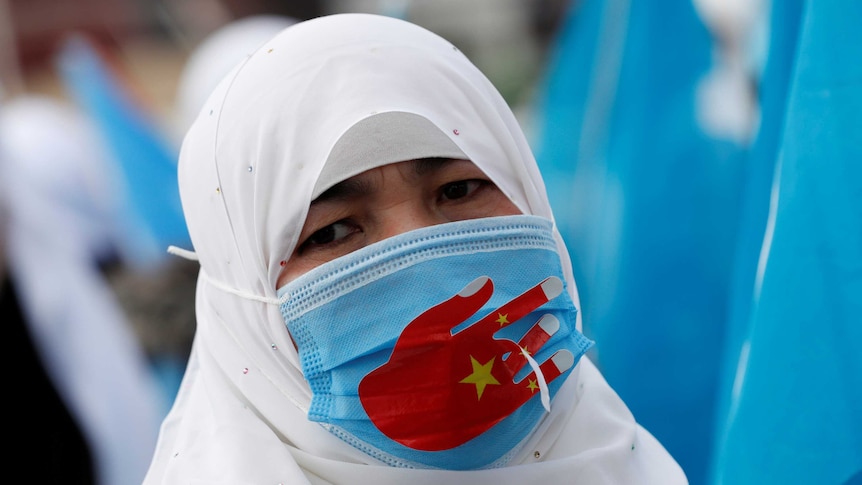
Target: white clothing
{"x": 57, "y": 183}
{"x": 248, "y": 171}
{"x": 215, "y": 56}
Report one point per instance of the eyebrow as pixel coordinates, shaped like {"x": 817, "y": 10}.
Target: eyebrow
{"x": 424, "y": 166}
{"x": 344, "y": 189}
{"x": 358, "y": 185}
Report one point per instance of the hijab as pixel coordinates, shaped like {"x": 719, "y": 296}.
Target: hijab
{"x": 217, "y": 54}
{"x": 265, "y": 143}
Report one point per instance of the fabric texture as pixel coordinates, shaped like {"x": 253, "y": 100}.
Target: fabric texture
{"x": 218, "y": 53}
{"x": 647, "y": 199}
{"x": 792, "y": 411}
{"x": 247, "y": 172}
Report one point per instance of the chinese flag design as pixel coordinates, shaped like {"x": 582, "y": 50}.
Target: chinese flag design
{"x": 439, "y": 390}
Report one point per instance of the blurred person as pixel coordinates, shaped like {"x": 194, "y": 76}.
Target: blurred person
{"x": 355, "y": 190}
{"x": 151, "y": 286}
{"x": 67, "y": 456}
{"x": 59, "y": 235}
{"x": 155, "y": 289}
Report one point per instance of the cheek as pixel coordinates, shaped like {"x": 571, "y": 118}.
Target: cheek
{"x": 490, "y": 202}
{"x": 506, "y": 207}
{"x": 497, "y": 204}
{"x": 294, "y": 268}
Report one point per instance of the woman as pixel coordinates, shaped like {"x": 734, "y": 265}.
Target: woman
{"x": 383, "y": 296}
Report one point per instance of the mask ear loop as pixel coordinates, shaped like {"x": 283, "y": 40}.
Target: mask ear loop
{"x": 192, "y": 256}
{"x": 183, "y": 253}
{"x": 543, "y": 386}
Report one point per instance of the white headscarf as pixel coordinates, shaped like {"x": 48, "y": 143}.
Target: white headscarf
{"x": 216, "y": 55}
{"x": 248, "y": 170}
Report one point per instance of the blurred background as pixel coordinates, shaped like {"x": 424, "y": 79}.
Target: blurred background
{"x": 702, "y": 157}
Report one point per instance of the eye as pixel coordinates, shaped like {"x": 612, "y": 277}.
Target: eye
{"x": 329, "y": 235}
{"x": 460, "y": 189}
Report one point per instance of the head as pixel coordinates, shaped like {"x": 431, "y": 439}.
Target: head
{"x": 340, "y": 136}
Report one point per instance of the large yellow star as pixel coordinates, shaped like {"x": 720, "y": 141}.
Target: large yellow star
{"x": 481, "y": 376}
{"x": 532, "y": 386}
{"x": 502, "y": 319}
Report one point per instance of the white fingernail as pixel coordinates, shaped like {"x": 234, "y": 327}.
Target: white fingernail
{"x": 473, "y": 287}
{"x": 563, "y": 359}
{"x": 552, "y": 287}
{"x": 549, "y": 324}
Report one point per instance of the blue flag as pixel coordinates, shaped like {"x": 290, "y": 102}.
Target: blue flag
{"x": 146, "y": 160}
{"x": 647, "y": 201}
{"x": 783, "y": 20}
{"x": 795, "y": 410}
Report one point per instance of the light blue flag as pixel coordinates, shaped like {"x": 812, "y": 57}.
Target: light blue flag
{"x": 153, "y": 217}
{"x": 150, "y": 216}
{"x": 795, "y": 414}
{"x": 647, "y": 202}
{"x": 783, "y": 28}
{"x": 760, "y": 163}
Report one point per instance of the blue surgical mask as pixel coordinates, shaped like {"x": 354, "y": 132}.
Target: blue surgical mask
{"x": 441, "y": 347}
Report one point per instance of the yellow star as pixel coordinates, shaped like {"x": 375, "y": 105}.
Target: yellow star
{"x": 532, "y": 386}
{"x": 502, "y": 319}
{"x": 481, "y": 376}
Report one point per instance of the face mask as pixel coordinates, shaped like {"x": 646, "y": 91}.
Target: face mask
{"x": 442, "y": 347}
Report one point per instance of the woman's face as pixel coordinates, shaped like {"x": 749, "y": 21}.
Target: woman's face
{"x": 390, "y": 200}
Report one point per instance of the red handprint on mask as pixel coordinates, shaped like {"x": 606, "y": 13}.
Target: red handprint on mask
{"x": 440, "y": 390}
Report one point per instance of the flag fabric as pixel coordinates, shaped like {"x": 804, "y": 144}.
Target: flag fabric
{"x": 647, "y": 200}
{"x": 152, "y": 216}
{"x": 773, "y": 85}
{"x": 794, "y": 413}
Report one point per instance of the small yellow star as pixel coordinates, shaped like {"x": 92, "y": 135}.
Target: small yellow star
{"x": 481, "y": 376}
{"x": 502, "y": 319}
{"x": 532, "y": 386}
